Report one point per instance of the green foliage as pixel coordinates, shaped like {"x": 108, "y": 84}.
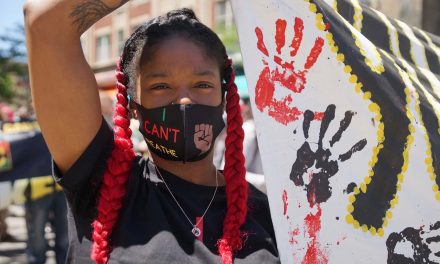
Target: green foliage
{"x": 6, "y": 92}
{"x": 12, "y": 60}
{"x": 228, "y": 35}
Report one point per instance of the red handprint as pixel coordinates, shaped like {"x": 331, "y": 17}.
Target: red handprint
{"x": 285, "y": 74}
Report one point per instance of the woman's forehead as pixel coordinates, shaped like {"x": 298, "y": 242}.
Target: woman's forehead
{"x": 178, "y": 52}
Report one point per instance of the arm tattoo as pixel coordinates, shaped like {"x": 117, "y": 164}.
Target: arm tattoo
{"x": 88, "y": 12}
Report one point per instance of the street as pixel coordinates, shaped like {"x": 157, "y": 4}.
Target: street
{"x": 14, "y": 252}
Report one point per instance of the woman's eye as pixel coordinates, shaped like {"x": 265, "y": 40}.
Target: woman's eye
{"x": 159, "y": 87}
{"x": 203, "y": 85}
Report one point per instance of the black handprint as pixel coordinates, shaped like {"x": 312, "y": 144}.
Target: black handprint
{"x": 318, "y": 189}
{"x": 420, "y": 244}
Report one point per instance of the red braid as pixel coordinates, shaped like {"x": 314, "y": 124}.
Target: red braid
{"x": 113, "y": 188}
{"x": 234, "y": 172}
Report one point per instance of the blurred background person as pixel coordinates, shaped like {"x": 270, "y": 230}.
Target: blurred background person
{"x": 45, "y": 203}
{"x": 253, "y": 164}
{"x": 6, "y": 116}
{"x": 107, "y": 107}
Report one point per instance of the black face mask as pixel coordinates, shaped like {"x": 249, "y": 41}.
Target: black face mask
{"x": 181, "y": 132}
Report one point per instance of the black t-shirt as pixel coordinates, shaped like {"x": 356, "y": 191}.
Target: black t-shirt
{"x": 151, "y": 227}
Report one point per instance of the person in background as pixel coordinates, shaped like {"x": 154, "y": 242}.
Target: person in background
{"x": 253, "y": 164}
{"x": 45, "y": 203}
{"x": 6, "y": 116}
{"x": 251, "y": 151}
{"x": 106, "y": 107}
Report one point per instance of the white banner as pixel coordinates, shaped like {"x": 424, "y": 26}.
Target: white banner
{"x": 348, "y": 130}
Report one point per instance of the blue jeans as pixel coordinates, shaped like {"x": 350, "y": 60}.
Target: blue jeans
{"x": 37, "y": 215}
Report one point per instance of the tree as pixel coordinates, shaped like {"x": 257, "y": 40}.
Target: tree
{"x": 12, "y": 60}
{"x": 228, "y": 35}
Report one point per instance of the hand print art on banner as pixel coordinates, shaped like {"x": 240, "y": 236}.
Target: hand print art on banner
{"x": 424, "y": 242}
{"x": 318, "y": 189}
{"x": 285, "y": 73}
{"x": 361, "y": 164}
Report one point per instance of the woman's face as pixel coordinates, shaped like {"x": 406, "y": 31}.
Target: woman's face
{"x": 179, "y": 72}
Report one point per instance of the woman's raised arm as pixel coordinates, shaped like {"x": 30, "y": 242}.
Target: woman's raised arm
{"x": 64, "y": 89}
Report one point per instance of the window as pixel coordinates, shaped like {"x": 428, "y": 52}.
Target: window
{"x": 103, "y": 48}
{"x": 121, "y": 41}
{"x": 220, "y": 14}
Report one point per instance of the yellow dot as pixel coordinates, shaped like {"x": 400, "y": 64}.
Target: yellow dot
{"x": 318, "y": 17}
{"x": 367, "y": 95}
{"x": 393, "y": 202}
{"x": 312, "y": 7}
{"x": 389, "y": 214}
{"x": 428, "y": 160}
{"x": 430, "y": 170}
{"x": 385, "y": 222}
{"x": 437, "y": 196}
{"x": 400, "y": 177}
{"x": 329, "y": 36}
{"x": 367, "y": 180}
{"x": 364, "y": 228}
{"x": 374, "y": 107}
{"x": 428, "y": 152}
{"x": 351, "y": 198}
{"x": 340, "y": 57}
{"x": 378, "y": 117}
{"x": 349, "y": 219}
{"x": 353, "y": 78}
{"x": 435, "y": 188}
{"x": 411, "y": 129}
{"x": 432, "y": 177}
{"x": 367, "y": 60}
{"x": 356, "y": 190}
{"x": 380, "y": 232}
{"x": 321, "y": 26}
{"x": 347, "y": 69}
{"x": 410, "y": 141}
{"x": 356, "y": 224}
{"x": 350, "y": 208}
{"x": 399, "y": 187}
{"x": 358, "y": 87}
{"x": 335, "y": 49}
{"x": 373, "y": 230}
{"x": 363, "y": 187}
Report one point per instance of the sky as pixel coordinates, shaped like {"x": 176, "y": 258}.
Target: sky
{"x": 11, "y": 13}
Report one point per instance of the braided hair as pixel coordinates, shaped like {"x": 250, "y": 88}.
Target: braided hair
{"x": 141, "y": 44}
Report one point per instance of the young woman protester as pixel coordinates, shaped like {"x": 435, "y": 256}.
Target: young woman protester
{"x": 175, "y": 77}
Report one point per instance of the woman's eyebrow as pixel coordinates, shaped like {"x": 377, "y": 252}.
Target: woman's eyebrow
{"x": 156, "y": 75}
{"x": 204, "y": 73}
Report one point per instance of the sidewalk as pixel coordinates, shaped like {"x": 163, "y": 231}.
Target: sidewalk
{"x": 14, "y": 252}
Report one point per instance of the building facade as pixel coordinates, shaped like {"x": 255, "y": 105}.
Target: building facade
{"x": 103, "y": 42}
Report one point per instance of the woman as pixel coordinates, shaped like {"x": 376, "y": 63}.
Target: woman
{"x": 175, "y": 207}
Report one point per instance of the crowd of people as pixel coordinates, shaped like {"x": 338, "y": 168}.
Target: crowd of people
{"x": 45, "y": 204}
